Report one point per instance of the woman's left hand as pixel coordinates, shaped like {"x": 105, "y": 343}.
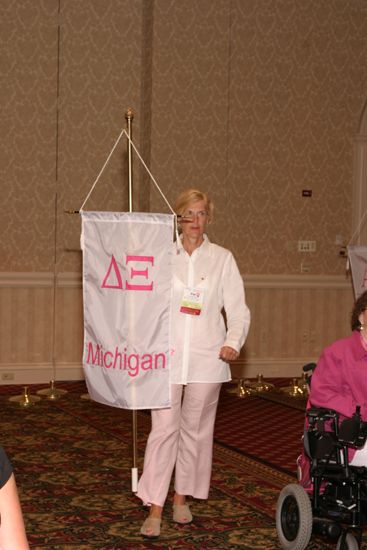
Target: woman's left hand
{"x": 228, "y": 354}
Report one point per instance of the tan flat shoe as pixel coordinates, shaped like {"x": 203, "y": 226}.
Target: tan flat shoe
{"x": 182, "y": 513}
{"x": 151, "y": 528}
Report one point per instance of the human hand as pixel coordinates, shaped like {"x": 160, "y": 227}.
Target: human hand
{"x": 228, "y": 354}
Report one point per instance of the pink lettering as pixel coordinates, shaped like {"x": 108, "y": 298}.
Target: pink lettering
{"x": 147, "y": 362}
{"x": 133, "y": 363}
{"x": 114, "y": 266}
{"x": 122, "y": 360}
{"x": 118, "y": 357}
{"x": 107, "y": 365}
{"x": 138, "y": 287}
{"x": 162, "y": 358}
{"x": 131, "y": 258}
{"x": 113, "y": 277}
{"x": 139, "y": 273}
{"x": 96, "y": 358}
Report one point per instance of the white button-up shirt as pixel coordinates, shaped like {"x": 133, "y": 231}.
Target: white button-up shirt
{"x": 197, "y": 339}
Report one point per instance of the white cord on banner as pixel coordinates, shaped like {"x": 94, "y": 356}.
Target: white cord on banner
{"x": 149, "y": 172}
{"x": 146, "y": 168}
{"x": 357, "y": 231}
{"x": 359, "y": 227}
{"x": 103, "y": 167}
{"x": 155, "y": 183}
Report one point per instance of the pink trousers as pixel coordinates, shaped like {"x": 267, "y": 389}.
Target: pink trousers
{"x": 182, "y": 438}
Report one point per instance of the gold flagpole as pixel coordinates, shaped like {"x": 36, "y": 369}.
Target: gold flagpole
{"x": 52, "y": 392}
{"x": 129, "y": 119}
{"x": 134, "y": 471}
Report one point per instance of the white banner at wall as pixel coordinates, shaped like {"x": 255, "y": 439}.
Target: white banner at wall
{"x": 358, "y": 262}
{"x": 127, "y": 277}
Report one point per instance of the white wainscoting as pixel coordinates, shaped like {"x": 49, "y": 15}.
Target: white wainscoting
{"x": 293, "y": 318}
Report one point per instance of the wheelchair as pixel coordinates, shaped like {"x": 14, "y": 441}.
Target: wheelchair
{"x": 330, "y": 498}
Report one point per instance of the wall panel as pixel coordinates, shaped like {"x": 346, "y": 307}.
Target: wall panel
{"x": 28, "y": 97}
{"x": 191, "y": 42}
{"x": 292, "y": 321}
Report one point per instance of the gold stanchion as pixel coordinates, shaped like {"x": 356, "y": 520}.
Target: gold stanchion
{"x": 129, "y": 116}
{"x": 52, "y": 393}
{"x": 294, "y": 390}
{"x": 244, "y": 390}
{"x": 25, "y": 400}
{"x": 234, "y": 388}
{"x": 303, "y": 383}
{"x": 260, "y": 385}
{"x": 86, "y": 397}
{"x": 298, "y": 387}
{"x": 241, "y": 389}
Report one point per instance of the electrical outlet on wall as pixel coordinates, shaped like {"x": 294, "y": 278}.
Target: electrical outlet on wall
{"x": 305, "y": 267}
{"x": 306, "y": 246}
{"x": 7, "y": 376}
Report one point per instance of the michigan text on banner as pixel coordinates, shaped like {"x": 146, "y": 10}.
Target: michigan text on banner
{"x": 127, "y": 277}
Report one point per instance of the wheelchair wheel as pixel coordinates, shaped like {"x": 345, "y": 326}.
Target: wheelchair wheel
{"x": 350, "y": 543}
{"x": 294, "y": 518}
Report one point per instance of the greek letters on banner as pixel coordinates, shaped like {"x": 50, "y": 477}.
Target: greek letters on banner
{"x": 358, "y": 263}
{"x": 127, "y": 277}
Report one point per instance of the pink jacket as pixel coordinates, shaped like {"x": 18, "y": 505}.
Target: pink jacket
{"x": 339, "y": 382}
{"x": 340, "y": 379}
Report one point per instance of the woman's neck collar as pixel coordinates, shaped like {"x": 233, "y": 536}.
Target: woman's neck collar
{"x": 192, "y": 244}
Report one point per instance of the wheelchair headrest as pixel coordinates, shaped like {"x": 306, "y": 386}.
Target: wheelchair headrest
{"x": 309, "y": 367}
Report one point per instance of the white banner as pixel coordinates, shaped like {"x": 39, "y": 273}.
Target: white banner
{"x": 358, "y": 262}
{"x": 127, "y": 277}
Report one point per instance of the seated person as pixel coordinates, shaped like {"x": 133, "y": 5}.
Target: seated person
{"x": 12, "y": 532}
{"x": 339, "y": 381}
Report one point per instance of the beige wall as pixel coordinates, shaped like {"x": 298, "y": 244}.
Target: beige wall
{"x": 252, "y": 101}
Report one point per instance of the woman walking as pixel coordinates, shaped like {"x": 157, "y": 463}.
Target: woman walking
{"x": 206, "y": 281}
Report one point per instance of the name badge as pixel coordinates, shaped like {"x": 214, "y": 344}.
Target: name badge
{"x": 192, "y": 301}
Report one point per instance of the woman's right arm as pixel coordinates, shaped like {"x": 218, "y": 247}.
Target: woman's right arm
{"x": 329, "y": 387}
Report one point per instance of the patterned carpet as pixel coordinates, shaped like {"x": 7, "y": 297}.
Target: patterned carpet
{"x": 72, "y": 459}
{"x": 261, "y": 429}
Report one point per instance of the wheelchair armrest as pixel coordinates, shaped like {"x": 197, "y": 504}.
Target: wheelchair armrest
{"x": 320, "y": 437}
{"x": 321, "y": 413}
{"x": 353, "y": 431}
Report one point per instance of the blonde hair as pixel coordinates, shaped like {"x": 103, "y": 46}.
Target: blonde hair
{"x": 193, "y": 195}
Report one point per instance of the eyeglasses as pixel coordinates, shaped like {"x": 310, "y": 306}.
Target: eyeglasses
{"x": 201, "y": 214}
